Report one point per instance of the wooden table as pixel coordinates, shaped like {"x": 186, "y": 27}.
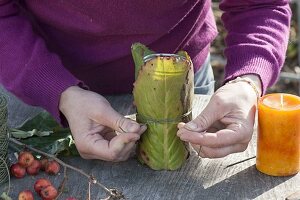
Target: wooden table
{"x": 197, "y": 179}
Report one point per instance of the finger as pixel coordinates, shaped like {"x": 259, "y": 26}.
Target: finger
{"x": 225, "y": 137}
{"x": 127, "y": 151}
{"x": 109, "y": 117}
{"x": 99, "y": 148}
{"x": 214, "y": 128}
{"x": 121, "y": 144}
{"x": 109, "y": 134}
{"x": 142, "y": 129}
{"x": 106, "y": 132}
{"x": 180, "y": 125}
{"x": 212, "y": 113}
{"x": 129, "y": 148}
{"x": 208, "y": 152}
{"x": 189, "y": 136}
{"x": 127, "y": 156}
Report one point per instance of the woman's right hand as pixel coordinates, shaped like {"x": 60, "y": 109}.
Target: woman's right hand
{"x": 98, "y": 130}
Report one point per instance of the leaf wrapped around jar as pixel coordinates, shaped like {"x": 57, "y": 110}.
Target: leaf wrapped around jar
{"x": 163, "y": 94}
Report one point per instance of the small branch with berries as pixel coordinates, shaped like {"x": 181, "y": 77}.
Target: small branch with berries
{"x": 113, "y": 194}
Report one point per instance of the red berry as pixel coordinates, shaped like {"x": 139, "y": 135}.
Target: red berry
{"x": 41, "y": 184}
{"x": 52, "y": 167}
{"x": 25, "y": 159}
{"x": 25, "y": 195}
{"x": 34, "y": 168}
{"x": 49, "y": 193}
{"x": 17, "y": 170}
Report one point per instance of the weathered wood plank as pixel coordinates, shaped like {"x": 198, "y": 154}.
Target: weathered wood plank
{"x": 197, "y": 179}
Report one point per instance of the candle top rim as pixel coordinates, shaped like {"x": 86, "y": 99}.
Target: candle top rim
{"x": 268, "y": 101}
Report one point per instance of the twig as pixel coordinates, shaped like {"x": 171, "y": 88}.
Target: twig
{"x": 118, "y": 195}
{"x": 240, "y": 162}
{"x": 111, "y": 192}
{"x": 62, "y": 185}
{"x": 294, "y": 196}
{"x": 89, "y": 191}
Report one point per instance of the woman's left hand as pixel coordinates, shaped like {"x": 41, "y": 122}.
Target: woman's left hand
{"x": 225, "y": 126}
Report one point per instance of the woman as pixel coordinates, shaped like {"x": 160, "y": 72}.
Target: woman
{"x": 51, "y": 51}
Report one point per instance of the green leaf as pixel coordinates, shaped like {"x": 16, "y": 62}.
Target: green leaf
{"x": 139, "y": 51}
{"x": 44, "y": 133}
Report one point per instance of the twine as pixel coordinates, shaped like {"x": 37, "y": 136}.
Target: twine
{"x": 5, "y": 175}
{"x": 4, "y": 136}
{"x": 150, "y": 120}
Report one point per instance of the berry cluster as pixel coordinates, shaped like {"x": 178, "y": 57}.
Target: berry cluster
{"x": 27, "y": 163}
{"x": 43, "y": 188}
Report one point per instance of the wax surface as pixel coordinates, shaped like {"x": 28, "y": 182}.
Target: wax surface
{"x": 282, "y": 101}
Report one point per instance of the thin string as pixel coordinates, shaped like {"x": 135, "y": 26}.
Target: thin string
{"x": 149, "y": 120}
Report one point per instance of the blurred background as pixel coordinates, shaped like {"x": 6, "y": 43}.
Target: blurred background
{"x": 289, "y": 81}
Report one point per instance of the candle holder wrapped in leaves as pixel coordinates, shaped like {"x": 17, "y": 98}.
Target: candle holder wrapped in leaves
{"x": 163, "y": 94}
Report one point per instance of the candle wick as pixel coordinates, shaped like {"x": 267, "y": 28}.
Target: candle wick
{"x": 281, "y": 100}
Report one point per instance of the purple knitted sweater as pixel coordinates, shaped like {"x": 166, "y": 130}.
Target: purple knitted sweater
{"x": 47, "y": 46}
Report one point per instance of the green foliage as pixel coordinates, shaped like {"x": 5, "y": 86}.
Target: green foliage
{"x": 44, "y": 133}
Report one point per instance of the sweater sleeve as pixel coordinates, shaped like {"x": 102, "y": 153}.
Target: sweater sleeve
{"x": 27, "y": 68}
{"x": 257, "y": 38}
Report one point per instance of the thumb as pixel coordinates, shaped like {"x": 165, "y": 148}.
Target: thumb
{"x": 119, "y": 123}
{"x": 204, "y": 120}
{"x": 124, "y": 125}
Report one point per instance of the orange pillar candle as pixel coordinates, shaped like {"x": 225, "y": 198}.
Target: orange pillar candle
{"x": 278, "y": 140}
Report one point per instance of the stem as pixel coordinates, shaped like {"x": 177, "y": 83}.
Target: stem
{"x": 111, "y": 192}
{"x": 62, "y": 185}
{"x": 240, "y": 162}
{"x": 89, "y": 191}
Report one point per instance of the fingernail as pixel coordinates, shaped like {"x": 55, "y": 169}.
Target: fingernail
{"x": 143, "y": 127}
{"x": 180, "y": 125}
{"x": 191, "y": 126}
{"x": 142, "y": 130}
